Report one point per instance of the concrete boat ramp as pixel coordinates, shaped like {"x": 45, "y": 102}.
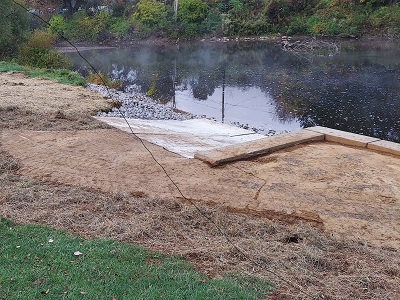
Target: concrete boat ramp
{"x": 184, "y": 137}
{"x": 217, "y": 143}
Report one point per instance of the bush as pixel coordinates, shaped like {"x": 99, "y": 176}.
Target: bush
{"x": 57, "y": 25}
{"x": 149, "y": 17}
{"x": 38, "y": 52}
{"x": 120, "y": 28}
{"x": 213, "y": 22}
{"x": 14, "y": 24}
{"x": 386, "y": 19}
{"x": 191, "y": 17}
{"x": 337, "y": 18}
{"x": 96, "y": 27}
{"x": 102, "y": 79}
{"x": 297, "y": 25}
{"x": 88, "y": 28}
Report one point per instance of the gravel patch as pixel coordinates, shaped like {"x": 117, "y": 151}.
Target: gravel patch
{"x": 139, "y": 106}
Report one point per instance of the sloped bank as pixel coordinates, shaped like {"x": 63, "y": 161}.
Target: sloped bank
{"x": 61, "y": 173}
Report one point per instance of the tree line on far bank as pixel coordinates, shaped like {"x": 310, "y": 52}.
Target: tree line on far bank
{"x": 100, "y": 20}
{"x": 124, "y": 19}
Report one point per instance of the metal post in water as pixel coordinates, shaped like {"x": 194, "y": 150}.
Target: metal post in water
{"x": 223, "y": 94}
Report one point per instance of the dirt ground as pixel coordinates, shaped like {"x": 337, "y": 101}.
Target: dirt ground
{"x": 324, "y": 216}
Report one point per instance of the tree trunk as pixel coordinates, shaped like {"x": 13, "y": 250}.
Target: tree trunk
{"x": 175, "y": 8}
{"x": 73, "y": 8}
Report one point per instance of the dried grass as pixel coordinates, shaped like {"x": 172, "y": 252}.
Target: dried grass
{"x": 324, "y": 267}
{"x": 12, "y": 117}
{"x": 7, "y": 163}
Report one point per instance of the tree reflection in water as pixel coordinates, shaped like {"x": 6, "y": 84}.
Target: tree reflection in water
{"x": 357, "y": 90}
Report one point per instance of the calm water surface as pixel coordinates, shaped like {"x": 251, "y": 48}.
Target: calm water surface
{"x": 259, "y": 85}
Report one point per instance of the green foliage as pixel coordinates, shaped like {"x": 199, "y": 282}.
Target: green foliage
{"x": 197, "y": 18}
{"x": 57, "y": 25}
{"x": 10, "y": 66}
{"x": 337, "y": 18}
{"x": 213, "y": 22}
{"x": 246, "y": 18}
{"x": 14, "y": 24}
{"x": 149, "y": 12}
{"x": 191, "y": 17}
{"x": 120, "y": 28}
{"x": 39, "y": 262}
{"x": 192, "y": 11}
{"x": 88, "y": 28}
{"x": 387, "y": 19}
{"x": 236, "y": 5}
{"x": 152, "y": 90}
{"x": 75, "y": 30}
{"x": 149, "y": 16}
{"x": 59, "y": 75}
{"x": 38, "y": 52}
{"x": 98, "y": 25}
{"x": 297, "y": 25}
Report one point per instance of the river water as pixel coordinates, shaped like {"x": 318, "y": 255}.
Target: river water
{"x": 355, "y": 87}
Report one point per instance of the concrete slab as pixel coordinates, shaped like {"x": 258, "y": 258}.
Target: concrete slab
{"x": 385, "y": 146}
{"x": 259, "y": 147}
{"x": 343, "y": 137}
{"x": 185, "y": 137}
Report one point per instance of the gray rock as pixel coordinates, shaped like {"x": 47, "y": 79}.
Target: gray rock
{"x": 138, "y": 106}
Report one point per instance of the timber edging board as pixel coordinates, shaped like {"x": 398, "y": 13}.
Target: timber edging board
{"x": 259, "y": 147}
{"x": 343, "y": 137}
{"x": 272, "y": 144}
{"x": 385, "y": 146}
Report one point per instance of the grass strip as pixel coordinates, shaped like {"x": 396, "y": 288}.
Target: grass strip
{"x": 59, "y": 75}
{"x": 38, "y": 262}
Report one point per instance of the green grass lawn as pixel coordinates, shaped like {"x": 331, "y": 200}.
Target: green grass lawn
{"x": 38, "y": 262}
{"x": 59, "y": 75}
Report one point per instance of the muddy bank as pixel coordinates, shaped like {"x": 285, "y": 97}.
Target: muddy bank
{"x": 101, "y": 182}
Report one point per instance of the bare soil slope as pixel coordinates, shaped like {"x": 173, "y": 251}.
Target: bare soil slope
{"x": 351, "y": 194}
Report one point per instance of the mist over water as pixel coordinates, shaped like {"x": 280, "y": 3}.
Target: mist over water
{"x": 259, "y": 85}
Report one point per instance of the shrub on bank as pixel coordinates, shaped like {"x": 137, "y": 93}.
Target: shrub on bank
{"x": 150, "y": 17}
{"x": 38, "y": 52}
{"x": 196, "y": 18}
{"x": 387, "y": 19}
{"x": 120, "y": 28}
{"x": 100, "y": 78}
{"x": 14, "y": 24}
{"x": 57, "y": 25}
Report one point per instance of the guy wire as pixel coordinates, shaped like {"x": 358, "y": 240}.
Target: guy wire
{"x": 219, "y": 229}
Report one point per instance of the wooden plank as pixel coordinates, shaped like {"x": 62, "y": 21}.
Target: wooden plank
{"x": 385, "y": 146}
{"x": 259, "y": 147}
{"x": 343, "y": 137}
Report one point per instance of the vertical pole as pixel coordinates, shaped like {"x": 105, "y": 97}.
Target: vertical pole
{"x": 223, "y": 93}
{"x": 174, "y": 85}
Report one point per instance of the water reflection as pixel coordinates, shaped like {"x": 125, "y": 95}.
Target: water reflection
{"x": 258, "y": 84}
